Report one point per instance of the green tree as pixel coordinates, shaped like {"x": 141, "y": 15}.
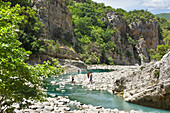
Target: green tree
{"x": 18, "y": 80}
{"x": 31, "y": 30}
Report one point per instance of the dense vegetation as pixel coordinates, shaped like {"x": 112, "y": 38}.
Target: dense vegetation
{"x": 18, "y": 80}
{"x": 94, "y": 33}
{"x": 163, "y": 15}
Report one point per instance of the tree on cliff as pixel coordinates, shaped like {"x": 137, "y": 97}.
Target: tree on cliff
{"x": 18, "y": 80}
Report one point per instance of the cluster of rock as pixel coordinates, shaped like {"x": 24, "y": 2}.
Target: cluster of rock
{"x": 147, "y": 85}
{"x": 64, "y": 105}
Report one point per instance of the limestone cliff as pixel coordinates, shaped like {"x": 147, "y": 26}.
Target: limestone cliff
{"x": 56, "y": 19}
{"x": 125, "y": 53}
{"x": 148, "y": 30}
{"x": 150, "y": 86}
{"x": 145, "y": 36}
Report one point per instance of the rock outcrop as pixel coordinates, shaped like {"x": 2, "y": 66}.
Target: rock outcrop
{"x": 56, "y": 18}
{"x": 148, "y": 30}
{"x": 128, "y": 53}
{"x": 72, "y": 66}
{"x": 125, "y": 53}
{"x": 151, "y": 85}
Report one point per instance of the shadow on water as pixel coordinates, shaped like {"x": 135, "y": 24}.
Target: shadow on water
{"x": 95, "y": 97}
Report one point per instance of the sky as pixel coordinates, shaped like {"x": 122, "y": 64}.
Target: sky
{"x": 153, "y": 6}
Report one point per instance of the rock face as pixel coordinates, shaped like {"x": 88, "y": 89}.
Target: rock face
{"x": 72, "y": 66}
{"x": 143, "y": 51}
{"x": 126, "y": 53}
{"x": 146, "y": 34}
{"x": 56, "y": 18}
{"x": 149, "y": 31}
{"x": 151, "y": 85}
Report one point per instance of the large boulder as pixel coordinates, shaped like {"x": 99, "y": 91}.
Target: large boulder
{"x": 150, "y": 86}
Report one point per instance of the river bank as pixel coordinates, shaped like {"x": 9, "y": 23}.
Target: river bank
{"x": 64, "y": 105}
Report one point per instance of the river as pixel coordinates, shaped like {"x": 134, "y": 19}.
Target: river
{"x": 93, "y": 97}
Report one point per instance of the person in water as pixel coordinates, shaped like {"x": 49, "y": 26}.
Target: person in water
{"x": 72, "y": 79}
{"x": 90, "y": 76}
{"x": 88, "y": 73}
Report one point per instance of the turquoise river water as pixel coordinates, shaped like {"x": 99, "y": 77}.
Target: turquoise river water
{"x": 95, "y": 97}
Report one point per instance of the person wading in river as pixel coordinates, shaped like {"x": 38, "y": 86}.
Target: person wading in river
{"x": 72, "y": 79}
{"x": 90, "y": 76}
{"x": 88, "y": 73}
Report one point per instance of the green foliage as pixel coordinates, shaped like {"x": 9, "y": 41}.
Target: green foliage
{"x": 20, "y": 2}
{"x": 130, "y": 40}
{"x": 89, "y": 28}
{"x": 142, "y": 67}
{"x": 139, "y": 16}
{"x": 31, "y": 30}
{"x": 110, "y": 61}
{"x": 18, "y": 80}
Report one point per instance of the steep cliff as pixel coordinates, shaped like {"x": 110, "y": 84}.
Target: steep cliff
{"x": 126, "y": 53}
{"x": 133, "y": 40}
{"x": 56, "y": 19}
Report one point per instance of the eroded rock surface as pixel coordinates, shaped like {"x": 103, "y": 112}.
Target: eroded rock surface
{"x": 150, "y": 85}
{"x": 56, "y": 18}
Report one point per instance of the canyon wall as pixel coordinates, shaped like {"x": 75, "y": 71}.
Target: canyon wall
{"x": 56, "y": 18}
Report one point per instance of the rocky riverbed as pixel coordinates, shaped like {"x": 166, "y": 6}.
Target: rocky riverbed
{"x": 147, "y": 85}
{"x": 64, "y": 105}
{"x": 112, "y": 81}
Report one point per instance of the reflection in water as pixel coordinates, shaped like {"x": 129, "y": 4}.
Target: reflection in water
{"x": 96, "y": 98}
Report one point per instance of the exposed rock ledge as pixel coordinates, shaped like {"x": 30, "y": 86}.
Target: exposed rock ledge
{"x": 72, "y": 66}
{"x": 148, "y": 85}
